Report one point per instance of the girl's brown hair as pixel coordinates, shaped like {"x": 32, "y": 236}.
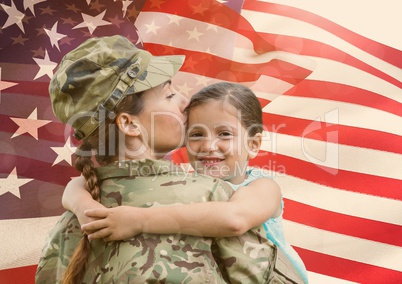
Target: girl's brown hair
{"x": 239, "y": 96}
{"x": 104, "y": 153}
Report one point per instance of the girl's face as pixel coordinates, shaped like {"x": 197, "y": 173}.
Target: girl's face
{"x": 163, "y": 119}
{"x": 217, "y": 142}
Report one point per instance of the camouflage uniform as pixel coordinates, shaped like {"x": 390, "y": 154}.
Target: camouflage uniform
{"x": 149, "y": 258}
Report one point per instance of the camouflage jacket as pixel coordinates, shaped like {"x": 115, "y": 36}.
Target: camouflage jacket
{"x": 148, "y": 258}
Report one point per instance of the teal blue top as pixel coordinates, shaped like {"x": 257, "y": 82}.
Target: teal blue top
{"x": 274, "y": 227}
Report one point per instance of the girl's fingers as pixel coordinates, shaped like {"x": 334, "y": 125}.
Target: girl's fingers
{"x": 101, "y": 234}
{"x": 107, "y": 239}
{"x": 96, "y": 213}
{"x": 94, "y": 225}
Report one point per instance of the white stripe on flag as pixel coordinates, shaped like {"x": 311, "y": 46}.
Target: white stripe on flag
{"x": 185, "y": 33}
{"x": 26, "y": 237}
{"x": 276, "y": 24}
{"x": 347, "y": 247}
{"x": 336, "y": 112}
{"x": 322, "y": 153}
{"x": 368, "y": 18}
{"x": 333, "y": 71}
{"x": 266, "y": 95}
{"x": 315, "y": 278}
{"x": 341, "y": 201}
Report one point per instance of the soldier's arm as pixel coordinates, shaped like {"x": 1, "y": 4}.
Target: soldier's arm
{"x": 59, "y": 247}
{"x": 248, "y": 207}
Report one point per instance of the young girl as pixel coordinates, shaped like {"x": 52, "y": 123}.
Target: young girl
{"x": 224, "y": 131}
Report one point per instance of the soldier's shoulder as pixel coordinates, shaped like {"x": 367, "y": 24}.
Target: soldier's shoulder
{"x": 201, "y": 178}
{"x": 204, "y": 180}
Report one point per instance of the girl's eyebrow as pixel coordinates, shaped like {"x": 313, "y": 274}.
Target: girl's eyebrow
{"x": 197, "y": 127}
{"x": 223, "y": 126}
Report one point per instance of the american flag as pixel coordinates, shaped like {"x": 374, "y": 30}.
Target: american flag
{"x": 329, "y": 78}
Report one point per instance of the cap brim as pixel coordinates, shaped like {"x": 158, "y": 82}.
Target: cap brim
{"x": 160, "y": 69}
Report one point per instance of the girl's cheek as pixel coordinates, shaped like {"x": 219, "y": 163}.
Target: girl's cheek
{"x": 225, "y": 147}
{"x": 192, "y": 148}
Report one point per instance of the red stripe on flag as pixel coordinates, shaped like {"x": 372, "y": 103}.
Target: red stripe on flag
{"x": 282, "y": 70}
{"x": 20, "y": 275}
{"x": 347, "y": 269}
{"x": 347, "y": 180}
{"x": 39, "y": 89}
{"x": 346, "y": 135}
{"x": 343, "y": 224}
{"x": 180, "y": 156}
{"x": 320, "y": 49}
{"x": 345, "y": 93}
{"x": 39, "y": 170}
{"x": 225, "y": 69}
{"x": 214, "y": 13}
{"x": 384, "y": 52}
{"x": 200, "y": 63}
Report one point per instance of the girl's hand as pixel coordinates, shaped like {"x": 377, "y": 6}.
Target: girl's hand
{"x": 85, "y": 219}
{"x": 77, "y": 199}
{"x": 113, "y": 224}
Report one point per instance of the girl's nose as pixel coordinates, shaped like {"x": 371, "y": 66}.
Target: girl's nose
{"x": 209, "y": 144}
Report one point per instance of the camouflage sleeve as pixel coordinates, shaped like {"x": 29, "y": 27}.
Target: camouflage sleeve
{"x": 60, "y": 245}
{"x": 242, "y": 259}
{"x": 251, "y": 258}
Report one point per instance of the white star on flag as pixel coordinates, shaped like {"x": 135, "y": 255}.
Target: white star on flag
{"x": 12, "y": 183}
{"x": 203, "y": 81}
{"x": 29, "y": 125}
{"x": 184, "y": 89}
{"x": 14, "y": 16}
{"x": 29, "y": 4}
{"x": 195, "y": 34}
{"x": 173, "y": 19}
{"x": 4, "y": 85}
{"x": 54, "y": 36}
{"x": 212, "y": 27}
{"x": 152, "y": 28}
{"x": 64, "y": 153}
{"x": 91, "y": 22}
{"x": 126, "y": 3}
{"x": 46, "y": 66}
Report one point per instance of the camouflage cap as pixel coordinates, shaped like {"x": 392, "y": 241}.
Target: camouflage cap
{"x": 93, "y": 78}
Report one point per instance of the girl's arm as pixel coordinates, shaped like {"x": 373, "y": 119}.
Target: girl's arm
{"x": 77, "y": 199}
{"x": 249, "y": 206}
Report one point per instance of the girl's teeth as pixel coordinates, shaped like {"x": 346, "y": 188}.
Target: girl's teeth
{"x": 210, "y": 162}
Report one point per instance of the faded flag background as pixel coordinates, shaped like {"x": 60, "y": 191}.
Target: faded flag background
{"x": 328, "y": 75}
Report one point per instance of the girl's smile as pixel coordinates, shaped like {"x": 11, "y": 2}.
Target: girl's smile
{"x": 210, "y": 161}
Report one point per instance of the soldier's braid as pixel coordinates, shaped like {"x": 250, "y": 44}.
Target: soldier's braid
{"x": 77, "y": 265}
{"x": 85, "y": 165}
{"x": 131, "y": 104}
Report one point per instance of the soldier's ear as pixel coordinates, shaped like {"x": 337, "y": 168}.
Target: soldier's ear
{"x": 128, "y": 124}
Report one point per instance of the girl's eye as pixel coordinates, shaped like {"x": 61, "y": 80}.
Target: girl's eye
{"x": 195, "y": 135}
{"x": 225, "y": 134}
{"x": 170, "y": 96}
